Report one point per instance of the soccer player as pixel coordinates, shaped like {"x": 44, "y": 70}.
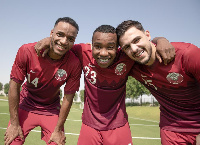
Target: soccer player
{"x": 176, "y": 86}
{"x": 38, "y": 103}
{"x": 106, "y": 70}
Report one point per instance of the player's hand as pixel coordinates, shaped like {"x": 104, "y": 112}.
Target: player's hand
{"x": 42, "y": 46}
{"x": 11, "y": 133}
{"x": 58, "y": 137}
{"x": 165, "y": 51}
{"x": 198, "y": 139}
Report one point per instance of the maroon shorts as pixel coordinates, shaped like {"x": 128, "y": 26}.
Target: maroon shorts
{"x": 177, "y": 138}
{"x": 29, "y": 121}
{"x": 118, "y": 136}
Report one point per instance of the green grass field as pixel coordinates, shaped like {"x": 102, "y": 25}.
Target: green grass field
{"x": 143, "y": 123}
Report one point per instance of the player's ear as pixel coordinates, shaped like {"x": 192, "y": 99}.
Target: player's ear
{"x": 51, "y": 33}
{"x": 147, "y": 33}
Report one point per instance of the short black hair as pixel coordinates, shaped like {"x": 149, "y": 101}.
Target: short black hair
{"x": 67, "y": 20}
{"x": 125, "y": 25}
{"x": 104, "y": 29}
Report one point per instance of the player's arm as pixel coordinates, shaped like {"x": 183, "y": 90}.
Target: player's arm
{"x": 71, "y": 86}
{"x": 58, "y": 136}
{"x": 198, "y": 139}
{"x": 164, "y": 50}
{"x": 191, "y": 61}
{"x": 42, "y": 46}
{"x": 14, "y": 129}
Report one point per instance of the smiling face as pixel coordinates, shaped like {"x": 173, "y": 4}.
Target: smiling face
{"x": 62, "y": 39}
{"x": 104, "y": 48}
{"x": 136, "y": 44}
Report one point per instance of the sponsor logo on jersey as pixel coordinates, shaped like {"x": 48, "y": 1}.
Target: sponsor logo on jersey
{"x": 148, "y": 81}
{"x": 174, "y": 78}
{"x": 91, "y": 65}
{"x": 32, "y": 71}
{"x": 61, "y": 75}
{"x": 120, "y": 69}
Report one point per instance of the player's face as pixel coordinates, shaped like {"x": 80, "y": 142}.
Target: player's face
{"x": 136, "y": 44}
{"x": 62, "y": 39}
{"x": 104, "y": 48}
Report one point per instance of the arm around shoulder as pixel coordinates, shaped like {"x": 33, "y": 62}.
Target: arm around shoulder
{"x": 191, "y": 61}
{"x": 164, "y": 49}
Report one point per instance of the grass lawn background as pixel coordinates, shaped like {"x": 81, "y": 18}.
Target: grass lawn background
{"x": 143, "y": 123}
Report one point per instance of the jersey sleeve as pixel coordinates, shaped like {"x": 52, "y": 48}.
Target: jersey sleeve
{"x": 18, "y": 72}
{"x": 191, "y": 61}
{"x": 80, "y": 49}
{"x": 77, "y": 50}
{"x": 73, "y": 83}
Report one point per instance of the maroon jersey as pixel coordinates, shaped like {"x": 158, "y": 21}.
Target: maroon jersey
{"x": 40, "y": 93}
{"x": 176, "y": 87}
{"x": 105, "y": 89}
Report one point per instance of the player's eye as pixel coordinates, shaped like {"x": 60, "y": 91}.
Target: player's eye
{"x": 71, "y": 39}
{"x": 126, "y": 47}
{"x": 136, "y": 40}
{"x": 97, "y": 47}
{"x": 110, "y": 47}
{"x": 59, "y": 34}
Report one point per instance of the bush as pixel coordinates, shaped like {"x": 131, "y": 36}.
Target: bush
{"x": 132, "y": 104}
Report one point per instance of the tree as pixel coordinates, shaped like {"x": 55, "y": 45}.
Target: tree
{"x": 134, "y": 89}
{"x": 1, "y": 86}
{"x": 75, "y": 97}
{"x": 82, "y": 95}
{"x": 6, "y": 88}
{"x": 60, "y": 94}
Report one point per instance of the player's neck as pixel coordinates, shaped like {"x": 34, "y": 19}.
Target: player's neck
{"x": 53, "y": 56}
{"x": 153, "y": 55}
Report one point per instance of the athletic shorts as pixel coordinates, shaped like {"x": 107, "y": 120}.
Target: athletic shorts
{"x": 118, "y": 136}
{"x": 29, "y": 121}
{"x": 175, "y": 138}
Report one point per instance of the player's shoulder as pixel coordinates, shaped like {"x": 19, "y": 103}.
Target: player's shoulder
{"x": 73, "y": 59}
{"x": 183, "y": 45}
{"x": 83, "y": 46}
{"x": 82, "y": 49}
{"x": 122, "y": 56}
{"x": 72, "y": 55}
{"x": 186, "y": 49}
{"x": 28, "y": 46}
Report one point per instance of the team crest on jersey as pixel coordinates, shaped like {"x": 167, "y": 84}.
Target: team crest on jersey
{"x": 174, "y": 78}
{"x": 61, "y": 75}
{"x": 120, "y": 69}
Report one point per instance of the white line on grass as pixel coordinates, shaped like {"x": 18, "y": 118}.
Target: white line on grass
{"x": 2, "y": 128}
{"x": 5, "y": 113}
{"x": 71, "y": 134}
{"x": 144, "y": 119}
{"x": 3, "y": 100}
{"x": 145, "y": 138}
{"x": 73, "y": 120}
{"x": 143, "y": 124}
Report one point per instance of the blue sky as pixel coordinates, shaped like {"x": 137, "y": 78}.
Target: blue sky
{"x": 25, "y": 21}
